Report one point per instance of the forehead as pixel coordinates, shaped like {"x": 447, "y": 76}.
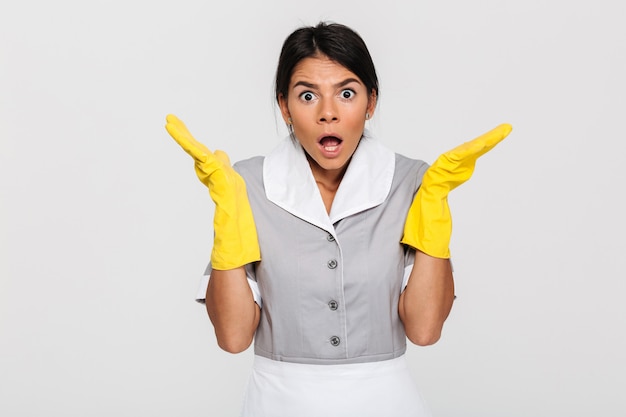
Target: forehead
{"x": 320, "y": 70}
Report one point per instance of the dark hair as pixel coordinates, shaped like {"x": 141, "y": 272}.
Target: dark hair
{"x": 338, "y": 42}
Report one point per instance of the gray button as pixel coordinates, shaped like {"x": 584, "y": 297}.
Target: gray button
{"x": 333, "y": 305}
{"x": 330, "y": 238}
{"x": 332, "y": 264}
{"x": 335, "y": 341}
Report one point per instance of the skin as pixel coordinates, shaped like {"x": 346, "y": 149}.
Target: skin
{"x": 327, "y": 106}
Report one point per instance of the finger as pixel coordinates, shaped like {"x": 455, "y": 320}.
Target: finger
{"x": 177, "y": 128}
{"x": 183, "y": 139}
{"x": 179, "y": 132}
{"x": 495, "y": 136}
{"x": 170, "y": 118}
{"x": 482, "y": 144}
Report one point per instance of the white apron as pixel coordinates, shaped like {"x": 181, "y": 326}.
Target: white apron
{"x": 284, "y": 389}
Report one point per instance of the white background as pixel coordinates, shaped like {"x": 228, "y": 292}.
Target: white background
{"x": 105, "y": 229}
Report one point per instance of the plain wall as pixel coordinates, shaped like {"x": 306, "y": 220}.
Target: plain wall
{"x": 105, "y": 229}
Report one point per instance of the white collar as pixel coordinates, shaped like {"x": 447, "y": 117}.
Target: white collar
{"x": 289, "y": 182}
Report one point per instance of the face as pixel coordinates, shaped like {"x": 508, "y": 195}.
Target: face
{"x": 327, "y": 105}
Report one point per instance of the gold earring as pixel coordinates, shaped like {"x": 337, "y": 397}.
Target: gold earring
{"x": 289, "y": 121}
{"x": 367, "y": 116}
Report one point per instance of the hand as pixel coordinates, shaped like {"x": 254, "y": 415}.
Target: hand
{"x": 235, "y": 243}
{"x": 428, "y": 227}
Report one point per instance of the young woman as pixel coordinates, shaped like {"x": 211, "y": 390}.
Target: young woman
{"x": 332, "y": 250}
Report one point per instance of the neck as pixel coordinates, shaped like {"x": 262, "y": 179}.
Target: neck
{"x": 329, "y": 178}
{"x": 328, "y": 181}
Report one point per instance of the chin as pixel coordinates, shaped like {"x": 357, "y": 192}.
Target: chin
{"x": 335, "y": 165}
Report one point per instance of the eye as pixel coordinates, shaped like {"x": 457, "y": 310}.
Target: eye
{"x": 307, "y": 96}
{"x": 347, "y": 93}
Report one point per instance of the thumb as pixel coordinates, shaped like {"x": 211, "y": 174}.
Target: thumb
{"x": 222, "y": 157}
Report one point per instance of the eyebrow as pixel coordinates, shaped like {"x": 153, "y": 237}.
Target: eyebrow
{"x": 338, "y": 85}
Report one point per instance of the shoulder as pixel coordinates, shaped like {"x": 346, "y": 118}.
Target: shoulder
{"x": 406, "y": 162}
{"x": 250, "y": 168}
{"x": 409, "y": 168}
{"x": 402, "y": 164}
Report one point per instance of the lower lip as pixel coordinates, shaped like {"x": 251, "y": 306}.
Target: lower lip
{"x": 331, "y": 151}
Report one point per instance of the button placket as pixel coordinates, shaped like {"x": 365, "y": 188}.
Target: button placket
{"x": 333, "y": 304}
{"x": 332, "y": 263}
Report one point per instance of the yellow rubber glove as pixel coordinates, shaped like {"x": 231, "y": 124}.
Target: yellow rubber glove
{"x": 235, "y": 242}
{"x": 428, "y": 226}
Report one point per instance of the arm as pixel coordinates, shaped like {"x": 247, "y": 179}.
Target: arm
{"x": 427, "y": 299}
{"x": 229, "y": 300}
{"x": 232, "y": 310}
{"x": 426, "y": 302}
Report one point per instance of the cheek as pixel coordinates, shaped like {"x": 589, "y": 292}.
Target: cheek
{"x": 356, "y": 118}
{"x": 357, "y": 112}
{"x": 300, "y": 114}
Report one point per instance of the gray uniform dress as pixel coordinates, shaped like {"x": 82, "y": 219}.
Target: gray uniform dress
{"x": 329, "y": 284}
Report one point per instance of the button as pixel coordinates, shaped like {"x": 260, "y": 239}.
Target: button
{"x": 333, "y": 305}
{"x": 330, "y": 238}
{"x": 335, "y": 341}
{"x": 332, "y": 264}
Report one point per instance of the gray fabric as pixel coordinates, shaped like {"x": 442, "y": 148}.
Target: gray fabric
{"x": 331, "y": 300}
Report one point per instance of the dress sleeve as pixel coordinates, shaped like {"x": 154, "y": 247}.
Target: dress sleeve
{"x": 250, "y": 274}
{"x": 409, "y": 260}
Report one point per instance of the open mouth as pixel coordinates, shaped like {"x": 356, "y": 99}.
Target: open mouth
{"x": 330, "y": 143}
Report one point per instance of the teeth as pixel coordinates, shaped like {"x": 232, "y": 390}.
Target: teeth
{"x": 331, "y": 148}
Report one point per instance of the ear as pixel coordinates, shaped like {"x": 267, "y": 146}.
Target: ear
{"x": 371, "y": 103}
{"x": 284, "y": 110}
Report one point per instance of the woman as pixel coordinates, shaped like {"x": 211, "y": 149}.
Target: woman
{"x": 332, "y": 250}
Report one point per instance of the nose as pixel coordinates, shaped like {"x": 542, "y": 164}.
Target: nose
{"x": 328, "y": 112}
